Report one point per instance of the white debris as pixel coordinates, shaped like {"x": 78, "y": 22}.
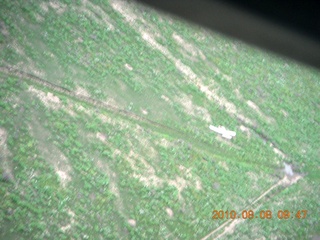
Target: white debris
{"x": 288, "y": 169}
{"x": 169, "y": 212}
{"x": 132, "y": 222}
{"x": 223, "y": 131}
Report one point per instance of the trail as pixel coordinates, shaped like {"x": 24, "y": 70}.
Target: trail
{"x": 99, "y": 104}
{"x": 161, "y": 128}
{"x": 201, "y": 146}
{"x": 78, "y": 96}
{"x": 233, "y": 222}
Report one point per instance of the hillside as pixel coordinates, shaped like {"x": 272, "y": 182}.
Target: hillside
{"x": 105, "y": 108}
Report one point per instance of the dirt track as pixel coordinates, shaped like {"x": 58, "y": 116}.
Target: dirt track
{"x": 81, "y": 97}
{"x": 228, "y": 225}
{"x": 127, "y": 114}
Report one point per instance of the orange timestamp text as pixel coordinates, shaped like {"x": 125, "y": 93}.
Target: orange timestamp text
{"x": 263, "y": 214}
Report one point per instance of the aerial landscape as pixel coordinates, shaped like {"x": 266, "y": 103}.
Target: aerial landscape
{"x": 121, "y": 122}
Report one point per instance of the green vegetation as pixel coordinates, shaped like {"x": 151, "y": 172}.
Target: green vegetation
{"x": 105, "y": 110}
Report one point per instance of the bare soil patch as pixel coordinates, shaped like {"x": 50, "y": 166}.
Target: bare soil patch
{"x": 58, "y": 6}
{"x": 102, "y": 137}
{"x": 105, "y": 21}
{"x": 3, "y": 29}
{"x": 260, "y": 113}
{"x": 229, "y": 107}
{"x": 193, "y": 180}
{"x": 149, "y": 178}
{"x": 39, "y": 18}
{"x": 51, "y": 153}
{"x": 179, "y": 183}
{"x": 6, "y": 165}
{"x": 169, "y": 212}
{"x": 82, "y": 91}
{"x": 113, "y": 185}
{"x": 238, "y": 94}
{"x": 72, "y": 221}
{"x": 44, "y": 6}
{"x": 145, "y": 145}
{"x": 278, "y": 152}
{"x": 188, "y": 47}
{"x": 26, "y": 64}
{"x": 192, "y": 109}
{"x": 49, "y": 99}
{"x": 245, "y": 130}
{"x": 254, "y": 179}
{"x": 3, "y": 137}
{"x": 165, "y": 98}
{"x": 165, "y": 143}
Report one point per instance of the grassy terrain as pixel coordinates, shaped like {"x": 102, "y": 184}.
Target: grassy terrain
{"x": 104, "y": 115}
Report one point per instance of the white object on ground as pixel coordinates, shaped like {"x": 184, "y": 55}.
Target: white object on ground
{"x": 288, "y": 169}
{"x": 223, "y": 131}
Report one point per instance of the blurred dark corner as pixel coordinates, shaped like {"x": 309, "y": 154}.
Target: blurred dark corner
{"x": 288, "y": 28}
